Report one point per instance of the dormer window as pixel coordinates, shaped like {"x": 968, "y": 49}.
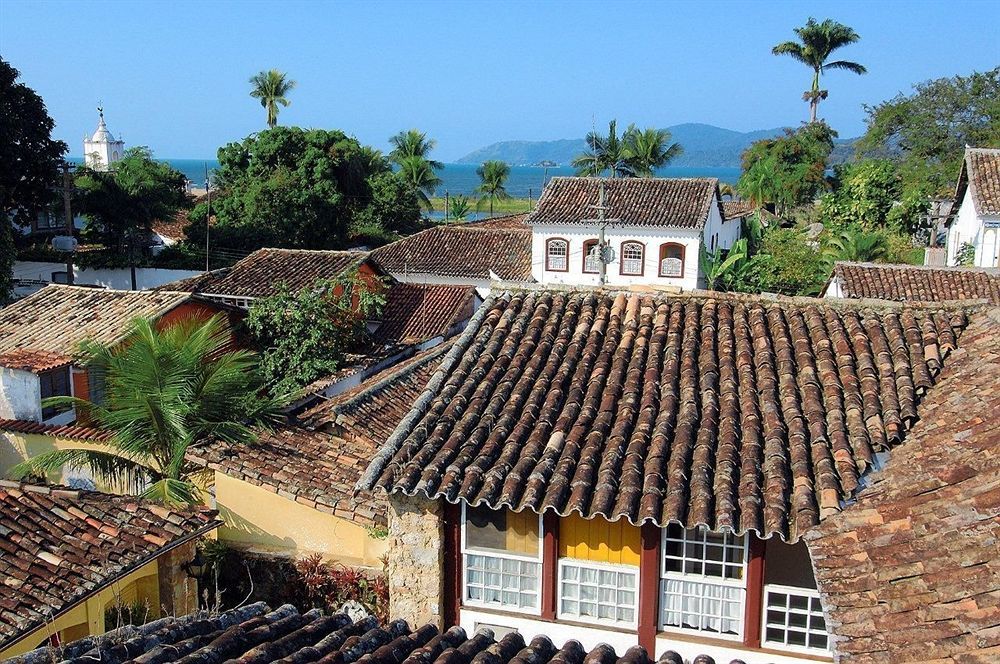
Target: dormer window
{"x": 632, "y": 257}
{"x": 591, "y": 257}
{"x": 672, "y": 260}
{"x": 557, "y": 255}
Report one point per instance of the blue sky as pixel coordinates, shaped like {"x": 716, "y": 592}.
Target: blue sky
{"x": 173, "y": 75}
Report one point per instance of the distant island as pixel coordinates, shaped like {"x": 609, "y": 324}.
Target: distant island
{"x": 705, "y": 146}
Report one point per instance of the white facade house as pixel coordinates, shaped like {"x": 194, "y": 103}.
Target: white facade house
{"x": 977, "y": 220}
{"x": 102, "y": 149}
{"x": 654, "y": 231}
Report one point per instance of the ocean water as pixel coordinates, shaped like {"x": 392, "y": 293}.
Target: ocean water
{"x": 461, "y": 179}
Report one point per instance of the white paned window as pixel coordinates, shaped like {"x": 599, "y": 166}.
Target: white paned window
{"x": 793, "y": 617}
{"x": 598, "y": 592}
{"x": 592, "y": 257}
{"x": 703, "y": 584}
{"x": 671, "y": 260}
{"x": 502, "y": 559}
{"x": 632, "y": 257}
{"x": 557, "y": 255}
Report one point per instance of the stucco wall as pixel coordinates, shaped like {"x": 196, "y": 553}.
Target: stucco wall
{"x": 258, "y": 520}
{"x": 146, "y": 277}
{"x": 416, "y": 559}
{"x": 18, "y": 447}
{"x": 20, "y": 395}
{"x": 968, "y": 227}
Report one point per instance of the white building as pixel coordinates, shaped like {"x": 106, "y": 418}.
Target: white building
{"x": 654, "y": 231}
{"x": 102, "y": 149}
{"x": 976, "y": 221}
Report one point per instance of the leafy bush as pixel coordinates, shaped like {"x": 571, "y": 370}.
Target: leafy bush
{"x": 966, "y": 255}
{"x": 863, "y": 194}
{"x": 786, "y": 263}
{"x": 328, "y": 585}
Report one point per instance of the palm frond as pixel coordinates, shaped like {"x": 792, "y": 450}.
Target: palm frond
{"x": 112, "y": 469}
{"x": 172, "y": 492}
{"x": 853, "y": 67}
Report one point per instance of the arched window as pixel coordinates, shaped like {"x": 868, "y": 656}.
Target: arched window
{"x": 557, "y": 255}
{"x": 591, "y": 257}
{"x": 632, "y": 258}
{"x": 672, "y": 260}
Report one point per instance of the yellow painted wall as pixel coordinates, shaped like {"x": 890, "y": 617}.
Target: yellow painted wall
{"x": 18, "y": 447}
{"x": 599, "y": 540}
{"x": 87, "y": 618}
{"x": 259, "y": 520}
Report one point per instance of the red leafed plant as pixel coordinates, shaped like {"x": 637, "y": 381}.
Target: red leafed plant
{"x": 328, "y": 585}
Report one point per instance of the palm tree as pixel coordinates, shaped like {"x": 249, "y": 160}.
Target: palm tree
{"x": 492, "y": 181}
{"x": 412, "y": 143}
{"x": 649, "y": 149}
{"x": 459, "y": 208}
{"x": 855, "y": 246}
{"x": 271, "y": 88}
{"x": 604, "y": 153}
{"x": 164, "y": 391}
{"x": 419, "y": 174}
{"x": 818, "y": 41}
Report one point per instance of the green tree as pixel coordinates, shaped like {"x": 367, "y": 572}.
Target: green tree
{"x": 649, "y": 149}
{"x": 271, "y": 87}
{"x": 789, "y": 170}
{"x": 786, "y": 263}
{"x": 121, "y": 204}
{"x": 604, "y": 154}
{"x": 863, "y": 194}
{"x": 289, "y": 187}
{"x": 721, "y": 269}
{"x": 393, "y": 208}
{"x": 459, "y": 207}
{"x": 493, "y": 176}
{"x": 856, "y": 245}
{"x": 164, "y": 391}
{"x": 304, "y": 335}
{"x": 817, "y": 42}
{"x": 412, "y": 143}
{"x": 418, "y": 173}
{"x": 925, "y": 133}
{"x": 29, "y": 164}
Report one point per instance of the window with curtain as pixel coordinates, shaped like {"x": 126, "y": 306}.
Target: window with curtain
{"x": 502, "y": 559}
{"x": 672, "y": 260}
{"x": 591, "y": 257}
{"x": 632, "y": 258}
{"x": 703, "y": 581}
{"x": 557, "y": 255}
{"x": 54, "y": 384}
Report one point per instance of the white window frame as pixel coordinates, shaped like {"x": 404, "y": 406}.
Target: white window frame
{"x": 640, "y": 261}
{"x": 792, "y": 590}
{"x": 465, "y": 601}
{"x": 549, "y": 244}
{"x": 665, "y": 575}
{"x": 598, "y": 566}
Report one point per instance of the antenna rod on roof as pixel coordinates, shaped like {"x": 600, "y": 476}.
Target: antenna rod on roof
{"x": 208, "y": 217}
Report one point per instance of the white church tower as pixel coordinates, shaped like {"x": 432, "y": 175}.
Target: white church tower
{"x": 101, "y": 150}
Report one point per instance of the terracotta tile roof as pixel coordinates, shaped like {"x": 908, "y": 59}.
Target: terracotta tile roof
{"x": 314, "y": 468}
{"x": 261, "y": 273}
{"x": 911, "y": 571}
{"x": 37, "y": 361}
{"x": 981, "y": 169}
{"x": 59, "y": 546}
{"x": 254, "y": 633}
{"x": 515, "y": 221}
{"x": 173, "y": 228}
{"x": 734, "y": 209}
{"x": 417, "y": 312}
{"x": 470, "y": 251}
{"x": 374, "y": 408}
{"x": 737, "y": 412}
{"x": 660, "y": 202}
{"x": 917, "y": 283}
{"x": 70, "y": 431}
{"x": 57, "y": 318}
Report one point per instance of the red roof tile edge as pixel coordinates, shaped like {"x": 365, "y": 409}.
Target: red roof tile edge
{"x": 71, "y": 431}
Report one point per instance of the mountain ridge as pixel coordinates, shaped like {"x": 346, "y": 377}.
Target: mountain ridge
{"x": 705, "y": 146}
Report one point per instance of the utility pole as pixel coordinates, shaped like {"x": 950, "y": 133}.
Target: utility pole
{"x": 602, "y": 224}
{"x": 208, "y": 217}
{"x": 447, "y": 205}
{"x": 67, "y": 188}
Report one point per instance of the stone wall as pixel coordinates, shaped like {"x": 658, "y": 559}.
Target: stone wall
{"x": 416, "y": 560}
{"x": 178, "y": 591}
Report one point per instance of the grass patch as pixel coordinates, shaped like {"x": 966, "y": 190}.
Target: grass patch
{"x": 509, "y": 206}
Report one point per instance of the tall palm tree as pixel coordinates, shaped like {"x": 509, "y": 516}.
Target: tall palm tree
{"x": 604, "y": 153}
{"x": 419, "y": 174}
{"x": 649, "y": 149}
{"x": 818, "y": 42}
{"x": 271, "y": 88}
{"x": 493, "y": 181}
{"x": 164, "y": 390}
{"x": 412, "y": 143}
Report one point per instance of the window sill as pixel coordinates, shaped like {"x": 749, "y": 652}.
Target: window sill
{"x": 738, "y": 645}
{"x": 554, "y": 621}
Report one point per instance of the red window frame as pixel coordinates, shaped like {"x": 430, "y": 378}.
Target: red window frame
{"x": 663, "y": 254}
{"x": 642, "y": 259}
{"x": 548, "y": 265}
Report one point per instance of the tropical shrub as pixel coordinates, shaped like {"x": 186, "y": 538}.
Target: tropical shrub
{"x": 328, "y": 585}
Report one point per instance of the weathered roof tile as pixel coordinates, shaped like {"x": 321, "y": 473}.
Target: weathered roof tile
{"x": 917, "y": 283}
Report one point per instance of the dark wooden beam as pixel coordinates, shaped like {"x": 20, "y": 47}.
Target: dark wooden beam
{"x": 550, "y": 564}
{"x": 452, "y": 564}
{"x": 755, "y": 593}
{"x": 649, "y": 587}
